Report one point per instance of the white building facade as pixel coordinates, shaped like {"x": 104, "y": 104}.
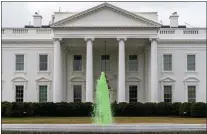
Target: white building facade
{"x": 144, "y": 60}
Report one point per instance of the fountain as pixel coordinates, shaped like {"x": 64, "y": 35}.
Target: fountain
{"x": 102, "y": 107}
{"x": 103, "y": 121}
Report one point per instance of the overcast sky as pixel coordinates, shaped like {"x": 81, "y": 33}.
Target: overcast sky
{"x": 18, "y": 14}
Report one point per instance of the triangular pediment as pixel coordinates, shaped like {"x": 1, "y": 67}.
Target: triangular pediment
{"x": 167, "y": 79}
{"x": 43, "y": 79}
{"x": 105, "y": 15}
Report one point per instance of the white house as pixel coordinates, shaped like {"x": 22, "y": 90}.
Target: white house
{"x": 144, "y": 60}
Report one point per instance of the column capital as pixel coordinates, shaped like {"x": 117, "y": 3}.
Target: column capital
{"x": 153, "y": 39}
{"x": 89, "y": 38}
{"x": 57, "y": 39}
{"x": 121, "y": 38}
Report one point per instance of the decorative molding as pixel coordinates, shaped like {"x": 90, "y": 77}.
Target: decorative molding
{"x": 77, "y": 79}
{"x": 191, "y": 79}
{"x": 133, "y": 79}
{"x": 121, "y": 38}
{"x": 167, "y": 79}
{"x": 57, "y": 39}
{"x": 43, "y": 79}
{"x": 19, "y": 79}
{"x": 153, "y": 39}
{"x": 89, "y": 39}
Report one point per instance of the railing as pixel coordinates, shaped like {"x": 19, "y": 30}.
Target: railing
{"x": 43, "y": 31}
{"x": 167, "y": 31}
{"x": 181, "y": 31}
{"x": 24, "y": 31}
{"x": 190, "y": 31}
{"x": 20, "y": 31}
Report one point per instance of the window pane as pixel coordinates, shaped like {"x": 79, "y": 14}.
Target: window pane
{"x": 191, "y": 94}
{"x": 133, "y": 63}
{"x": 43, "y": 65}
{"x": 105, "y": 63}
{"x": 42, "y": 93}
{"x": 77, "y": 63}
{"x": 167, "y": 59}
{"x": 77, "y": 93}
{"x": 191, "y": 62}
{"x": 19, "y": 62}
{"x": 167, "y": 93}
{"x": 19, "y": 93}
{"x": 132, "y": 93}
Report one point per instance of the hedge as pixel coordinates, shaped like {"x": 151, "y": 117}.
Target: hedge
{"x": 72, "y": 109}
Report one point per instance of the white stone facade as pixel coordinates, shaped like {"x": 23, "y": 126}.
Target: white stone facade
{"x": 104, "y": 30}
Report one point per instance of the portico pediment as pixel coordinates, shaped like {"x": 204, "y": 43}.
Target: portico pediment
{"x": 105, "y": 15}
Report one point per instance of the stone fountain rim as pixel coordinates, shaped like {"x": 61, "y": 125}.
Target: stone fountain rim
{"x": 142, "y": 127}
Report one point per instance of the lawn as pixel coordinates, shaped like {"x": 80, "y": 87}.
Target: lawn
{"x": 86, "y": 120}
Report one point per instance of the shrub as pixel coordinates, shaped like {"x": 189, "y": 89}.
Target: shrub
{"x": 17, "y": 109}
{"x": 199, "y": 109}
{"x": 164, "y": 109}
{"x": 175, "y": 108}
{"x": 185, "y": 109}
{"x": 6, "y": 109}
{"x": 113, "y": 108}
{"x": 150, "y": 109}
{"x": 120, "y": 108}
{"x": 72, "y": 109}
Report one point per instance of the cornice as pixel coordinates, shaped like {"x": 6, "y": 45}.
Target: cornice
{"x": 27, "y": 40}
{"x": 182, "y": 40}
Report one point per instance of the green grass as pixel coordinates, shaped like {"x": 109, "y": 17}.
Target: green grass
{"x": 86, "y": 120}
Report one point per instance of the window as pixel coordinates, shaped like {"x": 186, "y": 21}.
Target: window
{"x": 77, "y": 63}
{"x": 191, "y": 93}
{"x": 167, "y": 93}
{"x": 167, "y": 62}
{"x": 191, "y": 62}
{"x": 133, "y": 63}
{"x": 42, "y": 93}
{"x": 105, "y": 63}
{"x": 20, "y": 93}
{"x": 19, "y": 62}
{"x": 132, "y": 93}
{"x": 43, "y": 62}
{"x": 77, "y": 93}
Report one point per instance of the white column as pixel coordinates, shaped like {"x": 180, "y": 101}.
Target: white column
{"x": 121, "y": 71}
{"x": 153, "y": 78}
{"x": 57, "y": 77}
{"x": 146, "y": 74}
{"x": 89, "y": 69}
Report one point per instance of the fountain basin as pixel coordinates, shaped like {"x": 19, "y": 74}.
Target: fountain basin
{"x": 112, "y": 128}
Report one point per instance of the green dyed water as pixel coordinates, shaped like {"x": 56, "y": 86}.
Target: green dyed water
{"x": 102, "y": 106}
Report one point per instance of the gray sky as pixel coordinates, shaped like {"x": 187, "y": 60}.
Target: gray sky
{"x": 18, "y": 14}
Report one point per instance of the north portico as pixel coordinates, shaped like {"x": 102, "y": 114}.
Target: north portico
{"x": 118, "y": 27}
{"x": 144, "y": 61}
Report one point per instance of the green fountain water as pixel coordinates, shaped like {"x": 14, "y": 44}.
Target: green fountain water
{"x": 102, "y": 106}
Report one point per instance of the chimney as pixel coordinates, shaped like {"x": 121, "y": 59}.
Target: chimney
{"x": 174, "y": 20}
{"x": 37, "y": 20}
